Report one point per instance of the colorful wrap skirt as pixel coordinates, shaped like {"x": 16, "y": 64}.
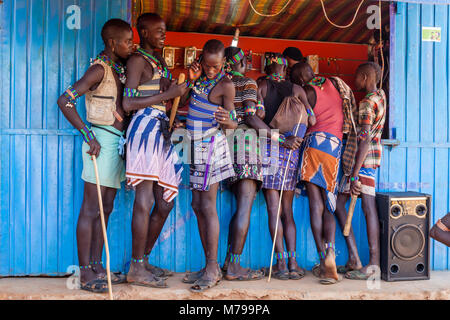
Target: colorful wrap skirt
{"x": 319, "y": 163}
{"x": 367, "y": 179}
{"x": 276, "y": 163}
{"x": 149, "y": 157}
{"x": 247, "y": 156}
{"x": 210, "y": 160}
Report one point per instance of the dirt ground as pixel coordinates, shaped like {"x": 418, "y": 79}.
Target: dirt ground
{"x": 437, "y": 288}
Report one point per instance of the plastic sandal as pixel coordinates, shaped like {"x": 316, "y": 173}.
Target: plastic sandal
{"x": 96, "y": 286}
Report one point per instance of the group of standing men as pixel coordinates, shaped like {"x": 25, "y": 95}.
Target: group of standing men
{"x": 332, "y": 152}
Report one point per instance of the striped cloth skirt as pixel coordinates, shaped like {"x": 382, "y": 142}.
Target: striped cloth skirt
{"x": 148, "y": 157}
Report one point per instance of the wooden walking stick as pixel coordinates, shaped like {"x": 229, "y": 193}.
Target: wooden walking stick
{"x": 102, "y": 218}
{"x": 351, "y": 209}
{"x": 176, "y": 102}
{"x": 279, "y": 203}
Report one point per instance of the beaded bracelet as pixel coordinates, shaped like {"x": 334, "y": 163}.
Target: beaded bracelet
{"x": 233, "y": 115}
{"x": 363, "y": 134}
{"x": 249, "y": 111}
{"x": 71, "y": 94}
{"x": 131, "y": 93}
{"x": 260, "y": 106}
{"x": 282, "y": 139}
{"x": 87, "y": 134}
{"x": 354, "y": 178}
{"x": 189, "y": 84}
{"x": 310, "y": 112}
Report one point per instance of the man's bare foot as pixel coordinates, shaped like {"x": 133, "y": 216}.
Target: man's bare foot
{"x": 87, "y": 275}
{"x": 353, "y": 264}
{"x": 138, "y": 275}
{"x": 329, "y": 266}
{"x": 157, "y": 271}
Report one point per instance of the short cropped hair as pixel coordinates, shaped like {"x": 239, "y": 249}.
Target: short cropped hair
{"x": 145, "y": 19}
{"x": 371, "y": 67}
{"x": 112, "y": 28}
{"x": 214, "y": 46}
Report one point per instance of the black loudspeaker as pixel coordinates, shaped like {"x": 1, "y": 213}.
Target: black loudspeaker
{"x": 404, "y": 240}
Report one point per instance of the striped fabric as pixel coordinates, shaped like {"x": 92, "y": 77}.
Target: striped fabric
{"x": 301, "y": 19}
{"x": 367, "y": 179}
{"x": 246, "y": 89}
{"x": 200, "y": 117}
{"x": 372, "y": 111}
{"x": 153, "y": 86}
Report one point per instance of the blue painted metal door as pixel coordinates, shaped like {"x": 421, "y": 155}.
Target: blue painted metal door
{"x": 40, "y": 159}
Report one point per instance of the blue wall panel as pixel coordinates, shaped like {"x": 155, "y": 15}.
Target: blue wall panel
{"x": 40, "y": 160}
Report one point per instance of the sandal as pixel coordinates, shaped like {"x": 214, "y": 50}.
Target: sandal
{"x": 204, "y": 284}
{"x": 343, "y": 269}
{"x": 116, "y": 278}
{"x": 193, "y": 276}
{"x": 316, "y": 271}
{"x": 357, "y": 275}
{"x": 280, "y": 274}
{"x": 296, "y": 274}
{"x": 249, "y": 276}
{"x": 96, "y": 286}
{"x": 155, "y": 283}
{"x": 327, "y": 281}
{"x": 159, "y": 272}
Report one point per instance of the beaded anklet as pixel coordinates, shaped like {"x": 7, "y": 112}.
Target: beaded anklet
{"x": 87, "y": 134}
{"x": 292, "y": 254}
{"x": 137, "y": 260}
{"x": 321, "y": 255}
{"x": 235, "y": 258}
{"x": 281, "y": 255}
{"x": 96, "y": 262}
{"x": 85, "y": 267}
{"x": 330, "y": 245}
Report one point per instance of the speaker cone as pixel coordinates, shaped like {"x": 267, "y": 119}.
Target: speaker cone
{"x": 421, "y": 210}
{"x": 408, "y": 242}
{"x": 396, "y": 211}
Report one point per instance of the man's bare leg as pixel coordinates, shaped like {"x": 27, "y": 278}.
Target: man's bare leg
{"x": 329, "y": 233}
{"x": 316, "y": 209}
{"x": 289, "y": 227}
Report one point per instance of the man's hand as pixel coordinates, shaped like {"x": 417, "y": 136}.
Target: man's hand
{"x": 260, "y": 114}
{"x": 223, "y": 118}
{"x": 177, "y": 124}
{"x": 195, "y": 71}
{"x": 94, "y": 149}
{"x": 355, "y": 188}
{"x": 176, "y": 90}
{"x": 292, "y": 142}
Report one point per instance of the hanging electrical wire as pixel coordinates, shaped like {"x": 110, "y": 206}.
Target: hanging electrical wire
{"x": 268, "y": 15}
{"x": 336, "y": 25}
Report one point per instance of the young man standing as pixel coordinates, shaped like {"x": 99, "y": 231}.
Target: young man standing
{"x": 211, "y": 111}
{"x": 103, "y": 85}
{"x": 152, "y": 164}
{"x": 372, "y": 114}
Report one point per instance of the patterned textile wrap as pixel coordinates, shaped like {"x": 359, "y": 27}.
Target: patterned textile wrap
{"x": 246, "y": 89}
{"x": 274, "y": 165}
{"x": 350, "y": 110}
{"x": 148, "y": 156}
{"x": 367, "y": 179}
{"x": 319, "y": 164}
{"x": 247, "y": 156}
{"x": 210, "y": 160}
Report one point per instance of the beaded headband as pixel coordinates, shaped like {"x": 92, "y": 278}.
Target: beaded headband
{"x": 237, "y": 57}
{"x": 278, "y": 60}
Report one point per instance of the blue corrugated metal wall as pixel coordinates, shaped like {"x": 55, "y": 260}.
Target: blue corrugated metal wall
{"x": 420, "y": 92}
{"x": 40, "y": 161}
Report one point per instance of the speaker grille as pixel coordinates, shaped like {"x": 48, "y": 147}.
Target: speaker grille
{"x": 408, "y": 241}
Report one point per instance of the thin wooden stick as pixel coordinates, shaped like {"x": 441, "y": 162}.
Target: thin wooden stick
{"x": 176, "y": 102}
{"x": 105, "y": 237}
{"x": 279, "y": 203}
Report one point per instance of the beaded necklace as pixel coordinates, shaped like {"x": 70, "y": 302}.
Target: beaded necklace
{"x": 276, "y": 77}
{"x": 203, "y": 82}
{"x": 162, "y": 70}
{"x": 318, "y": 82}
{"x": 117, "y": 67}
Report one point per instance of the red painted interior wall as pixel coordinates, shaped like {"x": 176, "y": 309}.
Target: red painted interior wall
{"x": 340, "y": 59}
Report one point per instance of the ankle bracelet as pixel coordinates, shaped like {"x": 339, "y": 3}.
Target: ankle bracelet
{"x": 85, "y": 267}
{"x": 281, "y": 255}
{"x": 292, "y": 254}
{"x": 137, "y": 260}
{"x": 235, "y": 258}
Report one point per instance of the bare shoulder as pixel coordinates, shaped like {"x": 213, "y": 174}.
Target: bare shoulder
{"x": 136, "y": 60}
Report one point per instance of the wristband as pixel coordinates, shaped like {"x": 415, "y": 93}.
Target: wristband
{"x": 310, "y": 112}
{"x": 354, "y": 178}
{"x": 233, "y": 115}
{"x": 189, "y": 84}
{"x": 71, "y": 94}
{"x": 87, "y": 134}
{"x": 131, "y": 93}
{"x": 363, "y": 134}
{"x": 282, "y": 139}
{"x": 260, "y": 106}
{"x": 249, "y": 111}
